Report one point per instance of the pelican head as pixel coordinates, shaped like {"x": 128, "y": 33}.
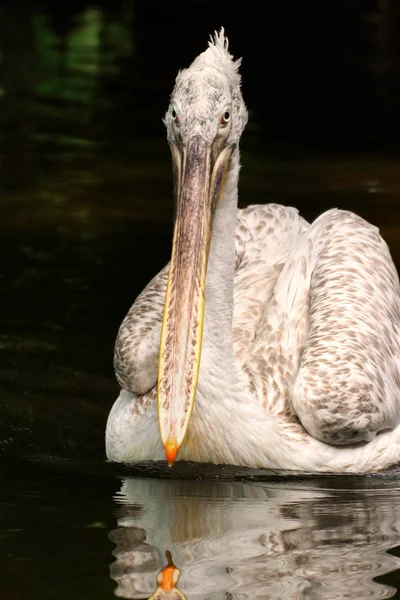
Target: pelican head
{"x": 204, "y": 123}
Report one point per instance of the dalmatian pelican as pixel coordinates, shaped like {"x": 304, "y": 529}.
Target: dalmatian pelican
{"x": 266, "y": 342}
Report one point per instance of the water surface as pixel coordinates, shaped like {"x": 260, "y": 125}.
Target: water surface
{"x": 85, "y": 532}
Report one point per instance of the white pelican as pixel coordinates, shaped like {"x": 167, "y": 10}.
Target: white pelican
{"x": 298, "y": 325}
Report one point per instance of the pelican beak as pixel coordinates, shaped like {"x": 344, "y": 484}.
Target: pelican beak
{"x": 199, "y": 171}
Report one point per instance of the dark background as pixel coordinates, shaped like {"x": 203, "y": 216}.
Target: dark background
{"x": 86, "y": 194}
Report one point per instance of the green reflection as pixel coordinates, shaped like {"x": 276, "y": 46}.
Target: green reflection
{"x": 70, "y": 67}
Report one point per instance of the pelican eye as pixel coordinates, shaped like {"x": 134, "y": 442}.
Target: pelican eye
{"x": 225, "y": 118}
{"x": 174, "y": 116}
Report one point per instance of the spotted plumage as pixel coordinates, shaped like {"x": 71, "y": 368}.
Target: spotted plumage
{"x": 300, "y": 364}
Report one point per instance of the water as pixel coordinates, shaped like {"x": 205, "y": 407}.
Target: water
{"x": 86, "y": 214}
{"x": 82, "y": 531}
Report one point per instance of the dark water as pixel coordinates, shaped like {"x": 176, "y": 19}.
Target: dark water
{"x": 85, "y": 222}
{"x": 84, "y": 532}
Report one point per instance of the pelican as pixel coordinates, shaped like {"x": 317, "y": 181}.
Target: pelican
{"x": 266, "y": 342}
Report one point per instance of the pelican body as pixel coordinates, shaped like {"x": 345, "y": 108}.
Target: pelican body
{"x": 266, "y": 342}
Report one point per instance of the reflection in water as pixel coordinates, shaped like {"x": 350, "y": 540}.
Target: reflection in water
{"x": 235, "y": 540}
{"x": 167, "y": 580}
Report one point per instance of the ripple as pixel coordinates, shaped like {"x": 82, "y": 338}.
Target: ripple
{"x": 257, "y": 540}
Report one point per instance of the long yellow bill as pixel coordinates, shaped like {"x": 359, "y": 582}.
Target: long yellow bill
{"x": 199, "y": 178}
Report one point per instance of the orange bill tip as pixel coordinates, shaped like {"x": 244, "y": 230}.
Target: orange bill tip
{"x": 171, "y": 449}
{"x": 167, "y": 582}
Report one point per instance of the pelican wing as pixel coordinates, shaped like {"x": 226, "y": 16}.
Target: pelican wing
{"x": 138, "y": 340}
{"x": 266, "y": 239}
{"x": 347, "y": 388}
{"x": 318, "y": 327}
